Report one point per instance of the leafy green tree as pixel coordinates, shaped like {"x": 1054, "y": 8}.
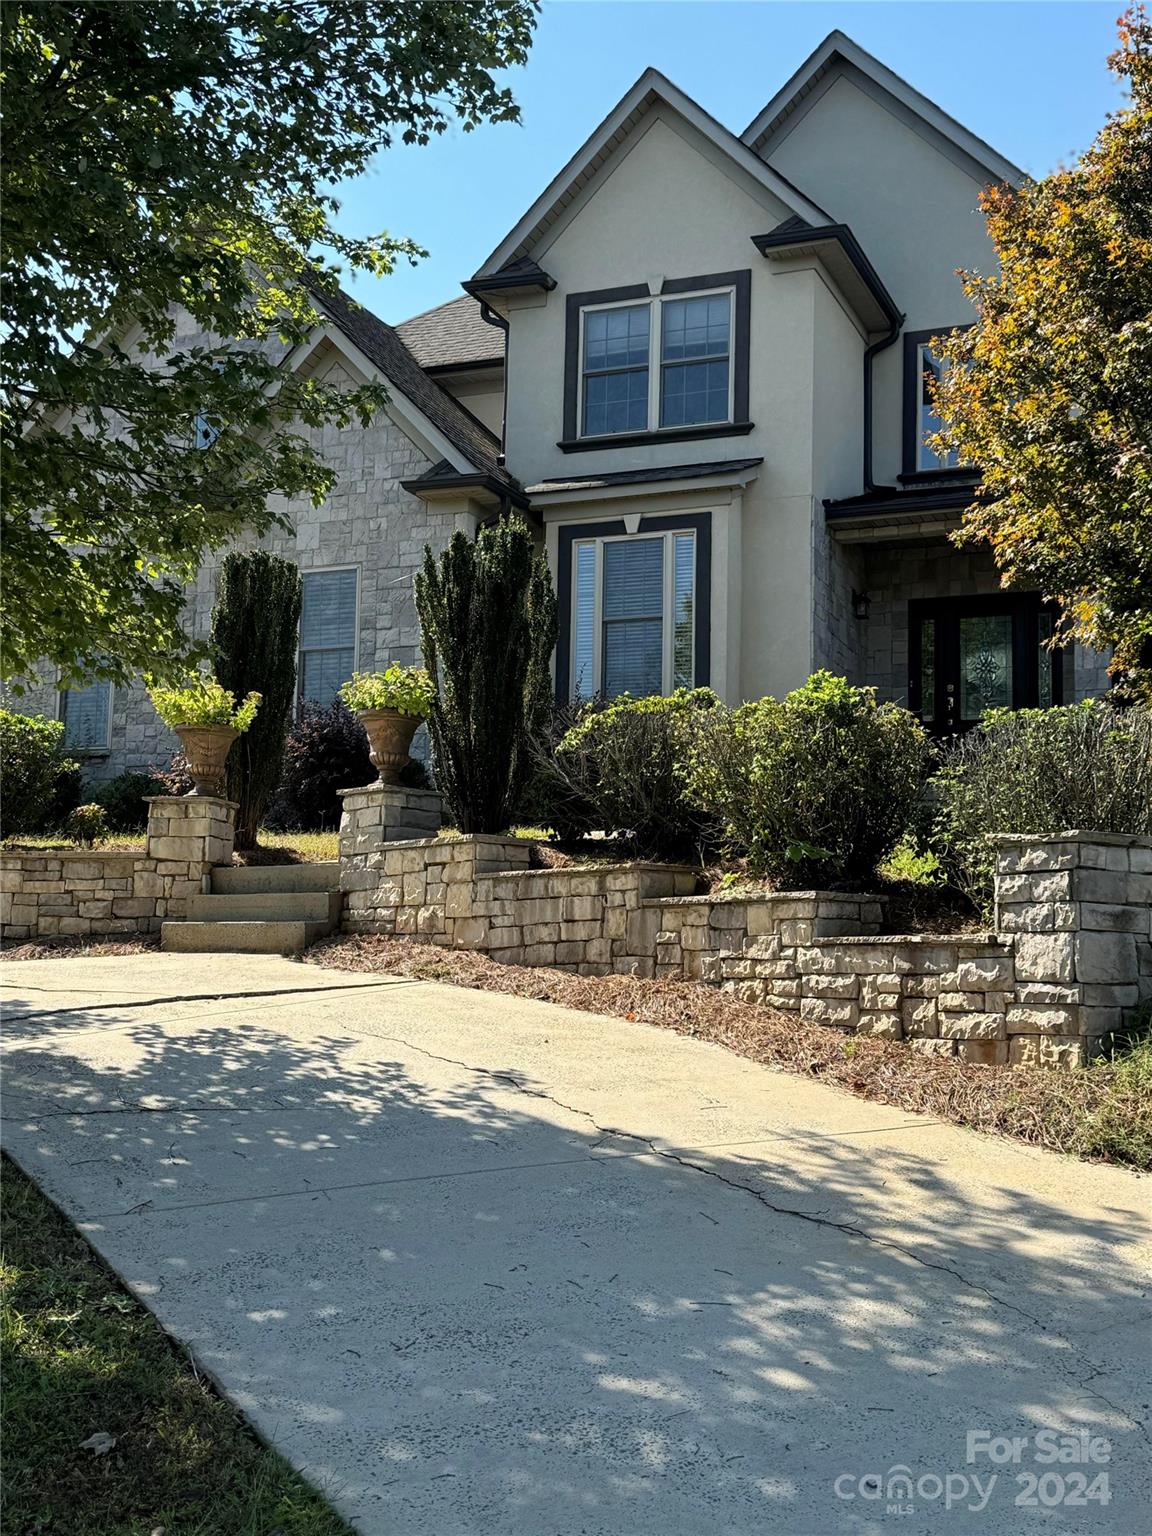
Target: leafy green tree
{"x": 174, "y": 155}
{"x": 1050, "y": 393}
{"x": 488, "y": 622}
{"x": 254, "y": 635}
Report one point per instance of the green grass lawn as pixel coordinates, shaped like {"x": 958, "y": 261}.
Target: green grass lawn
{"x": 82, "y": 1357}
{"x": 310, "y": 847}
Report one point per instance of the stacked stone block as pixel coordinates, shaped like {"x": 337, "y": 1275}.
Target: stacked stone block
{"x": 92, "y": 894}
{"x": 1073, "y": 959}
{"x": 386, "y": 813}
{"x": 1079, "y": 909}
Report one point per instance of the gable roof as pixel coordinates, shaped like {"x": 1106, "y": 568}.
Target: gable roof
{"x": 651, "y": 90}
{"x": 383, "y": 347}
{"x": 452, "y": 335}
{"x": 838, "y": 54}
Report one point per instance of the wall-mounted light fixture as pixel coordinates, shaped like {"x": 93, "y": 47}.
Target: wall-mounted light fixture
{"x": 861, "y": 603}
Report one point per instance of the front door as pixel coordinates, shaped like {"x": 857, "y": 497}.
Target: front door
{"x": 969, "y": 654}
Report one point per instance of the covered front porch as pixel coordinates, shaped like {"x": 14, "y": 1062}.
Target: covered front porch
{"x": 928, "y": 624}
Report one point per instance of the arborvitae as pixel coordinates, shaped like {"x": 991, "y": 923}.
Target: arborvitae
{"x": 488, "y": 621}
{"x": 255, "y": 626}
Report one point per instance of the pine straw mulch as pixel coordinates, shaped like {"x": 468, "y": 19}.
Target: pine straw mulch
{"x": 77, "y": 948}
{"x": 1103, "y": 1112}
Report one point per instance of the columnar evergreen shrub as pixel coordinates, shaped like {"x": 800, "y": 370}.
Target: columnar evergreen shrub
{"x": 1084, "y": 767}
{"x": 625, "y": 761}
{"x": 37, "y": 778}
{"x": 488, "y": 623}
{"x": 255, "y": 629}
{"x": 813, "y": 790}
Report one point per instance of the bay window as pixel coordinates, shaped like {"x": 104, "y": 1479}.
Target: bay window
{"x": 633, "y": 607}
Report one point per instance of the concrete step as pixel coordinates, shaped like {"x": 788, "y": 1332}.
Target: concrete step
{"x": 267, "y": 907}
{"x": 283, "y": 938}
{"x": 236, "y": 879}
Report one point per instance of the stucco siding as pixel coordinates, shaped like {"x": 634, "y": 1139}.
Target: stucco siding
{"x": 913, "y": 209}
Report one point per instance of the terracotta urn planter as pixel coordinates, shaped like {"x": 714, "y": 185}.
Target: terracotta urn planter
{"x": 390, "y": 737}
{"x": 206, "y": 748}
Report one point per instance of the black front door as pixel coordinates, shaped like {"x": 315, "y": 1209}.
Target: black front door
{"x": 969, "y": 654}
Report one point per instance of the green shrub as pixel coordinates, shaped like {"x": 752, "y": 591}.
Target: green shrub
{"x": 123, "y": 800}
{"x": 1086, "y": 767}
{"x": 203, "y": 701}
{"x": 87, "y": 825}
{"x": 36, "y": 778}
{"x": 408, "y": 690}
{"x": 624, "y": 765}
{"x": 814, "y": 790}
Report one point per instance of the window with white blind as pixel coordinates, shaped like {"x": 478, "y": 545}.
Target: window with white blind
{"x": 328, "y": 624}
{"x": 633, "y": 614}
{"x": 87, "y": 716}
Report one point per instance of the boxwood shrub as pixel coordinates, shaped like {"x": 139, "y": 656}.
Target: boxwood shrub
{"x": 1085, "y": 767}
{"x": 815, "y": 789}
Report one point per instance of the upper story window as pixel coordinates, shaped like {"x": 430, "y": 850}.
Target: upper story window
{"x": 923, "y": 372}
{"x": 204, "y": 432}
{"x": 328, "y": 625}
{"x": 87, "y": 716}
{"x": 641, "y": 366}
{"x": 689, "y": 384}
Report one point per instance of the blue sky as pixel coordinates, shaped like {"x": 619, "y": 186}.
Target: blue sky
{"x": 1030, "y": 78}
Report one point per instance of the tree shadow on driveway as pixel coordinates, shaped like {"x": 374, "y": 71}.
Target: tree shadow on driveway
{"x": 463, "y": 1306}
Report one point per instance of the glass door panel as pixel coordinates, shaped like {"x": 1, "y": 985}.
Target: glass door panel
{"x": 985, "y": 664}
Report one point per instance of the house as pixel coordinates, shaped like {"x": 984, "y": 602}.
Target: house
{"x": 698, "y": 362}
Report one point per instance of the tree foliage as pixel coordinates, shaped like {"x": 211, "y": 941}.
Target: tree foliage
{"x": 488, "y": 623}
{"x": 1050, "y": 393}
{"x": 177, "y": 156}
{"x": 254, "y": 632}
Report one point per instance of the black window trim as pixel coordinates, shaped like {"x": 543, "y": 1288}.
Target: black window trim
{"x": 740, "y": 282}
{"x": 699, "y": 523}
{"x": 910, "y": 452}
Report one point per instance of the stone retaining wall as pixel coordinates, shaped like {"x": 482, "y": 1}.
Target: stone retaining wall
{"x": 88, "y": 894}
{"x": 1071, "y": 957}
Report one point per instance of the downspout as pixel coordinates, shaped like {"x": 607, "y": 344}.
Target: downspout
{"x": 869, "y": 353}
{"x": 488, "y": 314}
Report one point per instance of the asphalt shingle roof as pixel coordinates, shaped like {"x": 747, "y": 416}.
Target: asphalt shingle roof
{"x": 381, "y": 344}
{"x": 452, "y": 335}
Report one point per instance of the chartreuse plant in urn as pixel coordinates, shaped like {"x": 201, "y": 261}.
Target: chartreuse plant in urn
{"x": 207, "y": 719}
{"x": 203, "y": 702}
{"x": 390, "y": 704}
{"x": 406, "y": 690}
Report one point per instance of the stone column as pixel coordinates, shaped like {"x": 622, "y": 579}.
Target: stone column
{"x": 1079, "y": 908}
{"x": 190, "y": 829}
{"x": 386, "y": 813}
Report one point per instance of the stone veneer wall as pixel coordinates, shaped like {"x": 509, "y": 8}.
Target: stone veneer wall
{"x": 89, "y": 894}
{"x": 1071, "y": 958}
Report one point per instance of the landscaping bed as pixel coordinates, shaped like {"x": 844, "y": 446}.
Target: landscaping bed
{"x": 109, "y": 1429}
{"x": 1102, "y": 1112}
{"x": 78, "y": 948}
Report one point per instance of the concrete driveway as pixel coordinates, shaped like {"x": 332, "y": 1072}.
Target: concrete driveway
{"x": 482, "y": 1265}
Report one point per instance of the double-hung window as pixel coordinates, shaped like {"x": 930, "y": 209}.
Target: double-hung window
{"x": 665, "y": 362}
{"x": 328, "y": 622}
{"x": 930, "y": 371}
{"x": 633, "y": 614}
{"x": 87, "y": 716}
{"x": 924, "y": 372}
